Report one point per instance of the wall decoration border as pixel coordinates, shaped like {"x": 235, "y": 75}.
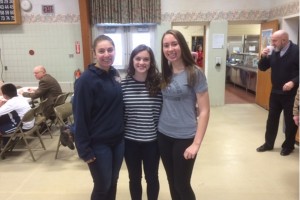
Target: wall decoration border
{"x": 216, "y": 15}
{"x": 235, "y": 15}
{"x": 68, "y": 18}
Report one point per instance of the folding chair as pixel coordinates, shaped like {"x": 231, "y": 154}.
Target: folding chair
{"x": 19, "y": 135}
{"x": 64, "y": 115}
{"x": 41, "y": 119}
{"x": 61, "y": 99}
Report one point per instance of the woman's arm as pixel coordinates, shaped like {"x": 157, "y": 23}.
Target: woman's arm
{"x": 203, "y": 117}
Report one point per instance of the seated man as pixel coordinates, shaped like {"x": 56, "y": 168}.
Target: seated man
{"x": 48, "y": 88}
{"x": 12, "y": 109}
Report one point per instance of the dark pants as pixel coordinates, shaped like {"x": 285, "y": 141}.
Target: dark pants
{"x": 9, "y": 122}
{"x": 178, "y": 169}
{"x": 277, "y": 104}
{"x": 136, "y": 155}
{"x": 105, "y": 170}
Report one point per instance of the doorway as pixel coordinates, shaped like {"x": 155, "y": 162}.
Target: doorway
{"x": 241, "y": 65}
{"x": 194, "y": 34}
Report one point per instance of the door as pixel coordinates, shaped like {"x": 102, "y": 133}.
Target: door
{"x": 263, "y": 85}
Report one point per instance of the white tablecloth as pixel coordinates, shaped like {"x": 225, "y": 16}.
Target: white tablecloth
{"x": 19, "y": 91}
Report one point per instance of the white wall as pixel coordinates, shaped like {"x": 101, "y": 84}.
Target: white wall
{"x": 61, "y": 7}
{"x": 210, "y": 5}
{"x": 51, "y": 37}
{"x": 216, "y": 74}
{"x": 291, "y": 25}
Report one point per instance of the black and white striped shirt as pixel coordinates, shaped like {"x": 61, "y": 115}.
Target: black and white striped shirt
{"x": 141, "y": 112}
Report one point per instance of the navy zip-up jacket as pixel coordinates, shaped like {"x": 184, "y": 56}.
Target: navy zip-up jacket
{"x": 283, "y": 69}
{"x": 97, "y": 109}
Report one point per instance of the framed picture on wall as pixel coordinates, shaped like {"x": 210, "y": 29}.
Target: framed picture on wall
{"x": 266, "y": 38}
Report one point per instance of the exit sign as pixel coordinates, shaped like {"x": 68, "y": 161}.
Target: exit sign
{"x": 48, "y": 9}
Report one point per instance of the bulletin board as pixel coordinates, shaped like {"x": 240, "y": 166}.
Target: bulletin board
{"x": 10, "y": 12}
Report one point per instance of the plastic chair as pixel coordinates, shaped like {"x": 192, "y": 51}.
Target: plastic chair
{"x": 64, "y": 115}
{"x": 19, "y": 135}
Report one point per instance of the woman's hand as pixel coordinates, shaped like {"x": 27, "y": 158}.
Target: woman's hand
{"x": 191, "y": 151}
{"x": 90, "y": 160}
{"x": 296, "y": 119}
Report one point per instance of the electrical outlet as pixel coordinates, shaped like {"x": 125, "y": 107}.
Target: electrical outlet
{"x": 5, "y": 68}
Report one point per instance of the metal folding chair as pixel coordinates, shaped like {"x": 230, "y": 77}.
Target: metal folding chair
{"x": 23, "y": 135}
{"x": 64, "y": 115}
{"x": 41, "y": 120}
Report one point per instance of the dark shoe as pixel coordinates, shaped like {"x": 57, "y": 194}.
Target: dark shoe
{"x": 66, "y": 137}
{"x": 264, "y": 148}
{"x": 286, "y": 152}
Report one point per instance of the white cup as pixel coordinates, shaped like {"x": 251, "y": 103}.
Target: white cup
{"x": 271, "y": 48}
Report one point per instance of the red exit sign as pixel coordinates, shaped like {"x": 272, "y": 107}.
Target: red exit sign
{"x": 48, "y": 9}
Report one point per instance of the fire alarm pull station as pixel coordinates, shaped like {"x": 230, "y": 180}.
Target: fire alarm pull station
{"x": 77, "y": 47}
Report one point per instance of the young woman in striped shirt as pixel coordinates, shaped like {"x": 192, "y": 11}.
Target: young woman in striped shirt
{"x": 142, "y": 104}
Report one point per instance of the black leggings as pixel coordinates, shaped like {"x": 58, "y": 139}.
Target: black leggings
{"x": 178, "y": 169}
{"x": 138, "y": 155}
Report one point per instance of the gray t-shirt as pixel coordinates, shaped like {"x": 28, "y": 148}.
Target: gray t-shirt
{"x": 178, "y": 116}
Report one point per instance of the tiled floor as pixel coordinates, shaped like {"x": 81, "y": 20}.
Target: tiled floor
{"x": 238, "y": 95}
{"x": 227, "y": 167}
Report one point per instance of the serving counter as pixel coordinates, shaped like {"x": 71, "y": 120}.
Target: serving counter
{"x": 242, "y": 76}
{"x": 242, "y": 71}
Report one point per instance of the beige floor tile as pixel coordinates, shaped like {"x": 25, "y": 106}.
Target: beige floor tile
{"x": 227, "y": 167}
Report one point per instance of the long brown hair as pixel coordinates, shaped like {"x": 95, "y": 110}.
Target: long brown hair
{"x": 187, "y": 58}
{"x": 153, "y": 76}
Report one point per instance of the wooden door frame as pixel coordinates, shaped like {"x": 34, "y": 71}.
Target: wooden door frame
{"x": 86, "y": 33}
{"x": 263, "y": 84}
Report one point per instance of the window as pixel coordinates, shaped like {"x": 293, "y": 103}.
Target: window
{"x": 126, "y": 38}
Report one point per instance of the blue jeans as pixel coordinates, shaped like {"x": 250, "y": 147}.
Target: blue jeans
{"x": 178, "y": 169}
{"x": 138, "y": 154}
{"x": 105, "y": 170}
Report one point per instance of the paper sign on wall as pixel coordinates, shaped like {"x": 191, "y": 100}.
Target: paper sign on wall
{"x": 218, "y": 41}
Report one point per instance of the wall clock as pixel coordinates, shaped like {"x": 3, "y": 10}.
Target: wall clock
{"x": 26, "y": 5}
